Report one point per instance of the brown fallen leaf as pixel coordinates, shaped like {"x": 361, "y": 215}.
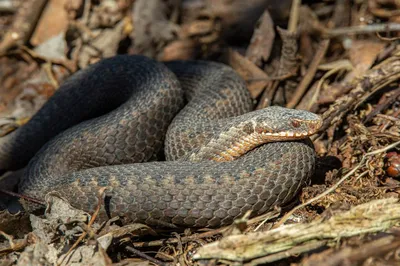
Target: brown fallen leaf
{"x": 263, "y": 38}
{"x": 362, "y": 55}
{"x": 151, "y": 26}
{"x": 55, "y": 15}
{"x": 179, "y": 50}
{"x": 23, "y": 25}
{"x": 239, "y": 17}
{"x": 255, "y": 78}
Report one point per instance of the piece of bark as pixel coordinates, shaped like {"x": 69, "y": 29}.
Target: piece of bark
{"x": 370, "y": 217}
{"x": 289, "y": 62}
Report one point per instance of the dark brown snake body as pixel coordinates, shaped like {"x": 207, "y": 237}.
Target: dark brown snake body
{"x": 105, "y": 122}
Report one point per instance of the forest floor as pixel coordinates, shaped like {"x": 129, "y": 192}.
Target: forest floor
{"x": 337, "y": 58}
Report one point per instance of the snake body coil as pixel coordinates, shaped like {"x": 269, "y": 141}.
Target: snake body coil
{"x": 105, "y": 122}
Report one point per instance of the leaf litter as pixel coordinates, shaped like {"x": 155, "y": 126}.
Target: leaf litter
{"x": 339, "y": 59}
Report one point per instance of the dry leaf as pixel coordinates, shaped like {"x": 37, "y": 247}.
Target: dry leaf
{"x": 179, "y": 50}
{"x": 263, "y": 38}
{"x": 55, "y": 15}
{"x": 362, "y": 55}
{"x": 255, "y": 78}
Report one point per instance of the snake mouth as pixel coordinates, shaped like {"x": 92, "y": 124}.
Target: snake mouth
{"x": 312, "y": 126}
{"x": 289, "y": 134}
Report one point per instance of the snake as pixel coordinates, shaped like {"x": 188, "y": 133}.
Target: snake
{"x": 173, "y": 143}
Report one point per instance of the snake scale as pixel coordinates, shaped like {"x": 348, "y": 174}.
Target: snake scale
{"x": 108, "y": 123}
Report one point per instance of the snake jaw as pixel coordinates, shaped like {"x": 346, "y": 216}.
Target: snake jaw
{"x": 300, "y": 129}
{"x": 286, "y": 135}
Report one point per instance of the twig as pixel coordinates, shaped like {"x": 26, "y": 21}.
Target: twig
{"x": 143, "y": 255}
{"x": 9, "y": 238}
{"x": 344, "y": 65}
{"x": 361, "y": 175}
{"x": 381, "y": 106}
{"x": 15, "y": 245}
{"x": 268, "y": 216}
{"x": 92, "y": 219}
{"x": 184, "y": 239}
{"x": 388, "y": 117}
{"x": 335, "y": 186}
{"x": 353, "y": 255}
{"x": 86, "y": 11}
{"x": 305, "y": 82}
{"x": 361, "y": 29}
{"x": 284, "y": 254}
{"x": 268, "y": 94}
{"x": 27, "y": 198}
{"x": 25, "y": 22}
{"x": 294, "y": 15}
{"x": 386, "y": 38}
{"x": 7, "y": 7}
{"x": 68, "y": 64}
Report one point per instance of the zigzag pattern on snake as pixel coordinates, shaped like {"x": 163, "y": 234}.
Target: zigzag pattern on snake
{"x": 107, "y": 124}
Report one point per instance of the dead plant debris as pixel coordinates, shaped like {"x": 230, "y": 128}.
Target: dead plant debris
{"x": 340, "y": 59}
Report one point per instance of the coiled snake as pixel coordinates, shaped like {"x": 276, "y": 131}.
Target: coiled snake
{"x": 105, "y": 122}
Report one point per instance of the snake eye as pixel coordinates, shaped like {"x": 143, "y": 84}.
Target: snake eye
{"x": 259, "y": 130}
{"x": 295, "y": 123}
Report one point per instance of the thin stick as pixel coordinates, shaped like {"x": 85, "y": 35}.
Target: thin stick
{"x": 184, "y": 239}
{"x": 27, "y": 198}
{"x": 305, "y": 82}
{"x": 7, "y": 7}
{"x": 23, "y": 25}
{"x": 92, "y": 219}
{"x": 143, "y": 255}
{"x": 294, "y": 15}
{"x": 372, "y": 28}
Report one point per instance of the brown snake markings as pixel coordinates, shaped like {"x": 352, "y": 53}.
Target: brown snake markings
{"x": 106, "y": 121}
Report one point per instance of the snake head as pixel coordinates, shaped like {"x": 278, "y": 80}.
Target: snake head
{"x": 278, "y": 123}
{"x": 241, "y": 134}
